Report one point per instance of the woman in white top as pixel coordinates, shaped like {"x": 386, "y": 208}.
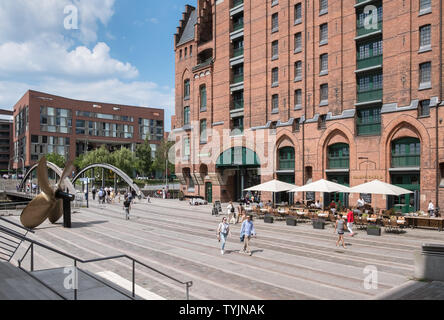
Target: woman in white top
{"x": 431, "y": 209}
{"x": 230, "y": 211}
{"x": 223, "y": 230}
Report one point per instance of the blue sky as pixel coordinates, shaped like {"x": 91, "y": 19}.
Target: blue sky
{"x": 122, "y": 51}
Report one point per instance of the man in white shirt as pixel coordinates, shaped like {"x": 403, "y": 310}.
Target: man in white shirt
{"x": 431, "y": 209}
{"x": 361, "y": 203}
{"x": 318, "y": 205}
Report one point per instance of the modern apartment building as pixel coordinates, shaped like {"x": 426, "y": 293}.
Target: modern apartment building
{"x": 6, "y": 120}
{"x": 45, "y": 123}
{"x": 348, "y": 91}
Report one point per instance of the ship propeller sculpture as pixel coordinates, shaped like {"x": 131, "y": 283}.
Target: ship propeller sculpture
{"x": 49, "y": 204}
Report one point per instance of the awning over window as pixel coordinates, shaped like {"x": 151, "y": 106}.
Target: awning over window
{"x": 237, "y": 157}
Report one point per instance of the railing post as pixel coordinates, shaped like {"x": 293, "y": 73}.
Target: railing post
{"x": 188, "y": 290}
{"x": 77, "y": 280}
{"x": 32, "y": 257}
{"x": 134, "y": 279}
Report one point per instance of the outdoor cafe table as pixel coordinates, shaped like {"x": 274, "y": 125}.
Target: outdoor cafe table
{"x": 264, "y": 210}
{"x": 425, "y": 222}
{"x": 248, "y": 209}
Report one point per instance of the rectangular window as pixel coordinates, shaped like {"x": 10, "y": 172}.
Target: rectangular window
{"x": 186, "y": 115}
{"x": 274, "y": 22}
{"x": 368, "y": 121}
{"x": 322, "y": 123}
{"x": 203, "y": 98}
{"x": 425, "y": 74}
{"x": 298, "y": 71}
{"x": 323, "y": 30}
{"x": 298, "y": 13}
{"x": 425, "y": 39}
{"x": 275, "y": 50}
{"x": 298, "y": 98}
{"x": 275, "y": 77}
{"x": 186, "y": 91}
{"x": 323, "y": 6}
{"x": 324, "y": 93}
{"x": 425, "y": 4}
{"x": 377, "y": 81}
{"x": 238, "y": 125}
{"x": 324, "y": 63}
{"x": 424, "y": 108}
{"x": 275, "y": 103}
{"x": 298, "y": 42}
{"x": 203, "y": 131}
{"x": 377, "y": 48}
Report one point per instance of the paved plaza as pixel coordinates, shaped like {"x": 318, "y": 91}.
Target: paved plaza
{"x": 288, "y": 262}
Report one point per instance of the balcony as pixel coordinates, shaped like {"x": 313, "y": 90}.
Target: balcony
{"x": 238, "y": 52}
{"x": 406, "y": 161}
{"x": 239, "y": 78}
{"x": 238, "y": 26}
{"x": 238, "y": 104}
{"x": 237, "y": 3}
{"x": 285, "y": 165}
{"x": 339, "y": 163}
{"x": 369, "y": 63}
{"x": 370, "y": 95}
{"x": 362, "y": 31}
{"x": 368, "y": 128}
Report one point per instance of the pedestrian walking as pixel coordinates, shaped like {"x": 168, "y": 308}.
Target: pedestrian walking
{"x": 247, "y": 231}
{"x": 148, "y": 199}
{"x": 94, "y": 191}
{"x": 223, "y": 231}
{"x": 339, "y": 228}
{"x": 127, "y": 208}
{"x": 230, "y": 211}
{"x": 350, "y": 221}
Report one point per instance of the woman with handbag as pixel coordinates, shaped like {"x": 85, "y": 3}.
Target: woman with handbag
{"x": 340, "y": 227}
{"x": 223, "y": 230}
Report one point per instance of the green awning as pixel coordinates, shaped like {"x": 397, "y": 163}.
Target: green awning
{"x": 238, "y": 157}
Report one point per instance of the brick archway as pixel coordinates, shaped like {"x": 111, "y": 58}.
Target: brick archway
{"x": 335, "y": 134}
{"x": 404, "y": 126}
{"x": 287, "y": 135}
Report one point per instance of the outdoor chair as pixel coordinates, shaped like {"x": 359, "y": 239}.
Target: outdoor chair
{"x": 394, "y": 223}
{"x": 387, "y": 225}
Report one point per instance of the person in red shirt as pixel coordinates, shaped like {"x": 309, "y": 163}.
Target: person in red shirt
{"x": 350, "y": 221}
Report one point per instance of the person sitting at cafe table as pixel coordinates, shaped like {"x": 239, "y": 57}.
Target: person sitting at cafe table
{"x": 318, "y": 204}
{"x": 333, "y": 207}
{"x": 261, "y": 204}
{"x": 269, "y": 203}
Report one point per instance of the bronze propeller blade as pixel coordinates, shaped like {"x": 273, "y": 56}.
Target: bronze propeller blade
{"x": 56, "y": 213}
{"x": 39, "y": 208}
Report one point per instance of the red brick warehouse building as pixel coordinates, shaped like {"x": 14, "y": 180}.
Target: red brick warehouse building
{"x": 45, "y": 123}
{"x": 343, "y": 90}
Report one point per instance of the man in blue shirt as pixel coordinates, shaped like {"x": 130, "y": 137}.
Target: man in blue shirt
{"x": 247, "y": 231}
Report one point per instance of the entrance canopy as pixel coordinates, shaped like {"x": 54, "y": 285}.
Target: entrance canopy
{"x": 273, "y": 186}
{"x": 238, "y": 157}
{"x": 323, "y": 186}
{"x": 379, "y": 187}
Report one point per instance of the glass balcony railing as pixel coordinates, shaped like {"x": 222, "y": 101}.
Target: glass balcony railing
{"x": 368, "y": 128}
{"x": 238, "y": 104}
{"x": 238, "y": 78}
{"x": 286, "y": 164}
{"x": 363, "y": 30}
{"x": 369, "y": 62}
{"x": 371, "y": 95}
{"x": 238, "y": 52}
{"x": 238, "y": 26}
{"x": 339, "y": 163}
{"x": 405, "y": 161}
{"x": 237, "y": 3}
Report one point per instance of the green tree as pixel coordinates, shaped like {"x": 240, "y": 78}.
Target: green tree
{"x": 162, "y": 154}
{"x": 125, "y": 160}
{"x": 57, "y": 159}
{"x": 101, "y": 155}
{"x": 144, "y": 158}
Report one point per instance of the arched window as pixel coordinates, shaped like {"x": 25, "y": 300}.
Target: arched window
{"x": 286, "y": 158}
{"x": 339, "y": 156}
{"x": 406, "y": 152}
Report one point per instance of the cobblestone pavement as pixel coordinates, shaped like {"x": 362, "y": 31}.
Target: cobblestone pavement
{"x": 287, "y": 262}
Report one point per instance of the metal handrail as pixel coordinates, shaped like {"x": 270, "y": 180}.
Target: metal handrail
{"x": 76, "y": 260}
{"x": 16, "y": 224}
{"x": 12, "y": 204}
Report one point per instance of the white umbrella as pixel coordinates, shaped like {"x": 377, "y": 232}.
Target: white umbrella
{"x": 322, "y": 186}
{"x": 379, "y": 187}
{"x": 273, "y": 186}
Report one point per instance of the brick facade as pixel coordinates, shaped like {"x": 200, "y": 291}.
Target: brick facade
{"x": 353, "y": 91}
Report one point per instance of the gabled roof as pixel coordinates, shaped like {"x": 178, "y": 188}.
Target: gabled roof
{"x": 188, "y": 33}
